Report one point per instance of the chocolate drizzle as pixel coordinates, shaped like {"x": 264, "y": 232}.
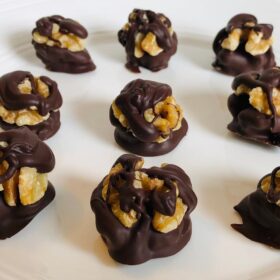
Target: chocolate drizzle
{"x": 145, "y": 21}
{"x": 260, "y": 214}
{"x": 24, "y": 149}
{"x": 61, "y": 59}
{"x": 240, "y": 61}
{"x": 249, "y": 122}
{"x": 13, "y": 99}
{"x": 67, "y": 26}
{"x": 141, "y": 242}
{"x": 134, "y": 99}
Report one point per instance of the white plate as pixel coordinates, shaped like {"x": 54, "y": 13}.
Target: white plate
{"x": 62, "y": 242}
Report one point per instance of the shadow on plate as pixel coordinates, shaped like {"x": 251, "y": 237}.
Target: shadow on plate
{"x": 20, "y": 43}
{"x": 76, "y": 218}
{"x": 208, "y": 109}
{"x": 106, "y": 44}
{"x": 197, "y": 49}
{"x": 94, "y": 116}
{"x": 220, "y": 196}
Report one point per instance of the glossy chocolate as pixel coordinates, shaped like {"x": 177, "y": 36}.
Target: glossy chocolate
{"x": 13, "y": 219}
{"x": 133, "y": 100}
{"x": 23, "y": 149}
{"x": 145, "y": 21}
{"x": 142, "y": 242}
{"x": 260, "y": 215}
{"x": 248, "y": 121}
{"x": 13, "y": 99}
{"x": 61, "y": 59}
{"x": 240, "y": 61}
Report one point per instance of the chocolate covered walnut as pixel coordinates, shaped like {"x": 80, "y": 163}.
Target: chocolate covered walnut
{"x": 143, "y": 213}
{"x": 244, "y": 45}
{"x": 149, "y": 40}
{"x": 260, "y": 211}
{"x": 255, "y": 106}
{"x": 25, "y": 162}
{"x": 30, "y": 101}
{"x": 60, "y": 43}
{"x": 147, "y": 118}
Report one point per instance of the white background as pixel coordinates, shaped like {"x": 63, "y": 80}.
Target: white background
{"x": 62, "y": 242}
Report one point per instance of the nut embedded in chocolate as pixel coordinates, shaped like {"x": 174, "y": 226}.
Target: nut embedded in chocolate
{"x": 260, "y": 211}
{"x": 147, "y": 118}
{"x": 244, "y": 45}
{"x": 143, "y": 213}
{"x": 60, "y": 44}
{"x": 255, "y": 106}
{"x": 149, "y": 40}
{"x": 25, "y": 162}
{"x": 30, "y": 101}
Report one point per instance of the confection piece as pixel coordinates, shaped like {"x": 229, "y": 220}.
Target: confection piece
{"x": 30, "y": 101}
{"x": 260, "y": 212}
{"x": 148, "y": 39}
{"x": 255, "y": 106}
{"x": 25, "y": 162}
{"x": 60, "y": 44}
{"x": 143, "y": 213}
{"x": 147, "y": 118}
{"x": 244, "y": 45}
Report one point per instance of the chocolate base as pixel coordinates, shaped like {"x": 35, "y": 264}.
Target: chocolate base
{"x": 239, "y": 61}
{"x": 249, "y": 122}
{"x": 153, "y": 63}
{"x": 15, "y": 218}
{"x": 44, "y": 130}
{"x": 141, "y": 242}
{"x": 261, "y": 219}
{"x": 126, "y": 140}
{"x": 62, "y": 60}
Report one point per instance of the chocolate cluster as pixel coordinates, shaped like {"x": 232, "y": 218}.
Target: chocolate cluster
{"x": 147, "y": 118}
{"x": 30, "y": 101}
{"x": 143, "y": 213}
{"x": 148, "y": 39}
{"x": 255, "y": 106}
{"x": 25, "y": 162}
{"x": 60, "y": 44}
{"x": 260, "y": 211}
{"x": 244, "y": 45}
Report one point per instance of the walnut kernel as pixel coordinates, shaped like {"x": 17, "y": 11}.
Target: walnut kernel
{"x": 163, "y": 223}
{"x": 232, "y": 41}
{"x": 256, "y": 45}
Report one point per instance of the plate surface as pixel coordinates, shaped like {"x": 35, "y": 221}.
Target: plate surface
{"x": 62, "y": 242}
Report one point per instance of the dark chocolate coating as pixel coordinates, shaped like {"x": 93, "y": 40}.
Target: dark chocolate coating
{"x": 24, "y": 149}
{"x": 12, "y": 99}
{"x": 248, "y": 121}
{"x": 133, "y": 100}
{"x": 44, "y": 130}
{"x": 131, "y": 144}
{"x": 261, "y": 217}
{"x": 147, "y": 21}
{"x": 61, "y": 59}
{"x": 239, "y": 61}
{"x": 15, "y": 218}
{"x": 141, "y": 242}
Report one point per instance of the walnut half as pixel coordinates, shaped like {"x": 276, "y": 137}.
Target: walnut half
{"x": 146, "y": 43}
{"x": 258, "y": 98}
{"x": 69, "y": 41}
{"x": 160, "y": 222}
{"x": 26, "y": 184}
